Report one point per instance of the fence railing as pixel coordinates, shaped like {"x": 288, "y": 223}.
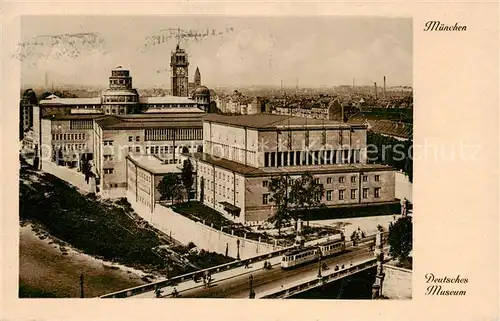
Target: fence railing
{"x": 320, "y": 281}
{"x": 223, "y": 267}
{"x": 181, "y": 278}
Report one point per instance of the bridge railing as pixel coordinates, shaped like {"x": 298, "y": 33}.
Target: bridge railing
{"x": 319, "y": 281}
{"x": 185, "y": 277}
{"x": 223, "y": 267}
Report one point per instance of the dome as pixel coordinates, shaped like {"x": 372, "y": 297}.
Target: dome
{"x": 201, "y": 90}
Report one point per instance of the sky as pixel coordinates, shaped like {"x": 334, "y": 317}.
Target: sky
{"x": 308, "y": 51}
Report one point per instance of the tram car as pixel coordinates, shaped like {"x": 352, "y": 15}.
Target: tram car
{"x": 301, "y": 256}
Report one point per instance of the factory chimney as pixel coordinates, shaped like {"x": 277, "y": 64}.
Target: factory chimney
{"x": 384, "y": 88}
{"x": 375, "y": 90}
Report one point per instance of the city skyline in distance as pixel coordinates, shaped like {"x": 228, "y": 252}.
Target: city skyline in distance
{"x": 230, "y": 51}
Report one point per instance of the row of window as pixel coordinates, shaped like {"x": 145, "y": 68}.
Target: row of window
{"x": 170, "y": 149}
{"x": 109, "y": 171}
{"x": 122, "y": 110}
{"x": 81, "y": 124}
{"x": 341, "y": 194}
{"x": 329, "y": 180}
{"x": 119, "y": 81}
{"x": 318, "y": 157}
{"x": 209, "y": 199}
{"x": 69, "y": 147}
{"x": 174, "y": 134}
{"x": 144, "y": 176}
{"x": 170, "y": 105}
{"x": 88, "y": 106}
{"x": 119, "y": 99}
{"x": 68, "y": 136}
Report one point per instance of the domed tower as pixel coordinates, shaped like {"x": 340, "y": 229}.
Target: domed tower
{"x": 197, "y": 77}
{"x": 201, "y": 96}
{"x": 120, "y": 98}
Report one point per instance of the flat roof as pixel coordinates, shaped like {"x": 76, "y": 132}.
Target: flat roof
{"x": 166, "y": 100}
{"x": 274, "y": 121}
{"x": 71, "y": 101}
{"x": 167, "y": 110}
{"x": 145, "y": 122}
{"x": 72, "y": 116}
{"x": 153, "y": 164}
{"x": 291, "y": 170}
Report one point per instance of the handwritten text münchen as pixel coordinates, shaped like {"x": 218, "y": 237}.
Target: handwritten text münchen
{"x": 438, "y": 26}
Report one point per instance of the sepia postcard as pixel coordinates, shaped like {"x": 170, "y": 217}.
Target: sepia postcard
{"x": 316, "y": 161}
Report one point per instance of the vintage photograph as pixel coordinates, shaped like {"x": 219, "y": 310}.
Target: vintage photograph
{"x": 258, "y": 157}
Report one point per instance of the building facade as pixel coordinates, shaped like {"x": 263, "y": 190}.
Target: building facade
{"x": 164, "y": 137}
{"x": 242, "y": 154}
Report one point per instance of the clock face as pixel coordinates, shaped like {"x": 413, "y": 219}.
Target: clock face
{"x": 180, "y": 72}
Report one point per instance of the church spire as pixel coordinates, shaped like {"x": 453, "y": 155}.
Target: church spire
{"x": 197, "y": 77}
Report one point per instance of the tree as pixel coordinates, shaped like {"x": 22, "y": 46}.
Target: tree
{"x": 278, "y": 189}
{"x": 170, "y": 187}
{"x": 202, "y": 189}
{"x": 187, "y": 177}
{"x": 306, "y": 193}
{"x": 401, "y": 238}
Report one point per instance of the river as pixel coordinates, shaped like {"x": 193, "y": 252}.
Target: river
{"x": 45, "y": 271}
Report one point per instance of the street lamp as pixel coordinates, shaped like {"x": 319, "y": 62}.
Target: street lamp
{"x": 81, "y": 285}
{"x": 319, "y": 265}
{"x": 238, "y": 249}
{"x": 252, "y": 292}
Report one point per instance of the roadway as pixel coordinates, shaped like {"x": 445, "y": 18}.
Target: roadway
{"x": 267, "y": 280}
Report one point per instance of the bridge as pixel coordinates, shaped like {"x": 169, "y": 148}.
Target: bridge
{"x": 232, "y": 280}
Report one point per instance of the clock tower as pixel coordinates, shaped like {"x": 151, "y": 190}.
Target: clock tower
{"x": 179, "y": 64}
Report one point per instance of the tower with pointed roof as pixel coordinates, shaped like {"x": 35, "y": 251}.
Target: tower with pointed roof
{"x": 179, "y": 64}
{"x": 197, "y": 77}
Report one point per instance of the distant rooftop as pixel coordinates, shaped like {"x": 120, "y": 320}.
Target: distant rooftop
{"x": 273, "y": 121}
{"x": 153, "y": 164}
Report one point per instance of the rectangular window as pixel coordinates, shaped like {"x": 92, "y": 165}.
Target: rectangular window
{"x": 341, "y": 179}
{"x": 265, "y": 199}
{"x": 137, "y": 149}
{"x": 365, "y": 192}
{"x": 365, "y": 178}
{"x": 377, "y": 178}
{"x": 353, "y": 193}
{"x": 377, "y": 192}
{"x": 341, "y": 194}
{"x": 137, "y": 138}
{"x": 316, "y": 180}
{"x": 264, "y": 183}
{"x": 130, "y": 138}
{"x": 329, "y": 195}
{"x": 329, "y": 180}
{"x": 353, "y": 179}
{"x": 273, "y": 159}
{"x": 130, "y": 149}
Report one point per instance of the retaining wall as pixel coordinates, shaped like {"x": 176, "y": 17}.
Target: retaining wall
{"x": 69, "y": 175}
{"x": 397, "y": 282}
{"x": 185, "y": 230}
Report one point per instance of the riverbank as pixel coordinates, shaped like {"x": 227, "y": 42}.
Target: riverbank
{"x": 50, "y": 268}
